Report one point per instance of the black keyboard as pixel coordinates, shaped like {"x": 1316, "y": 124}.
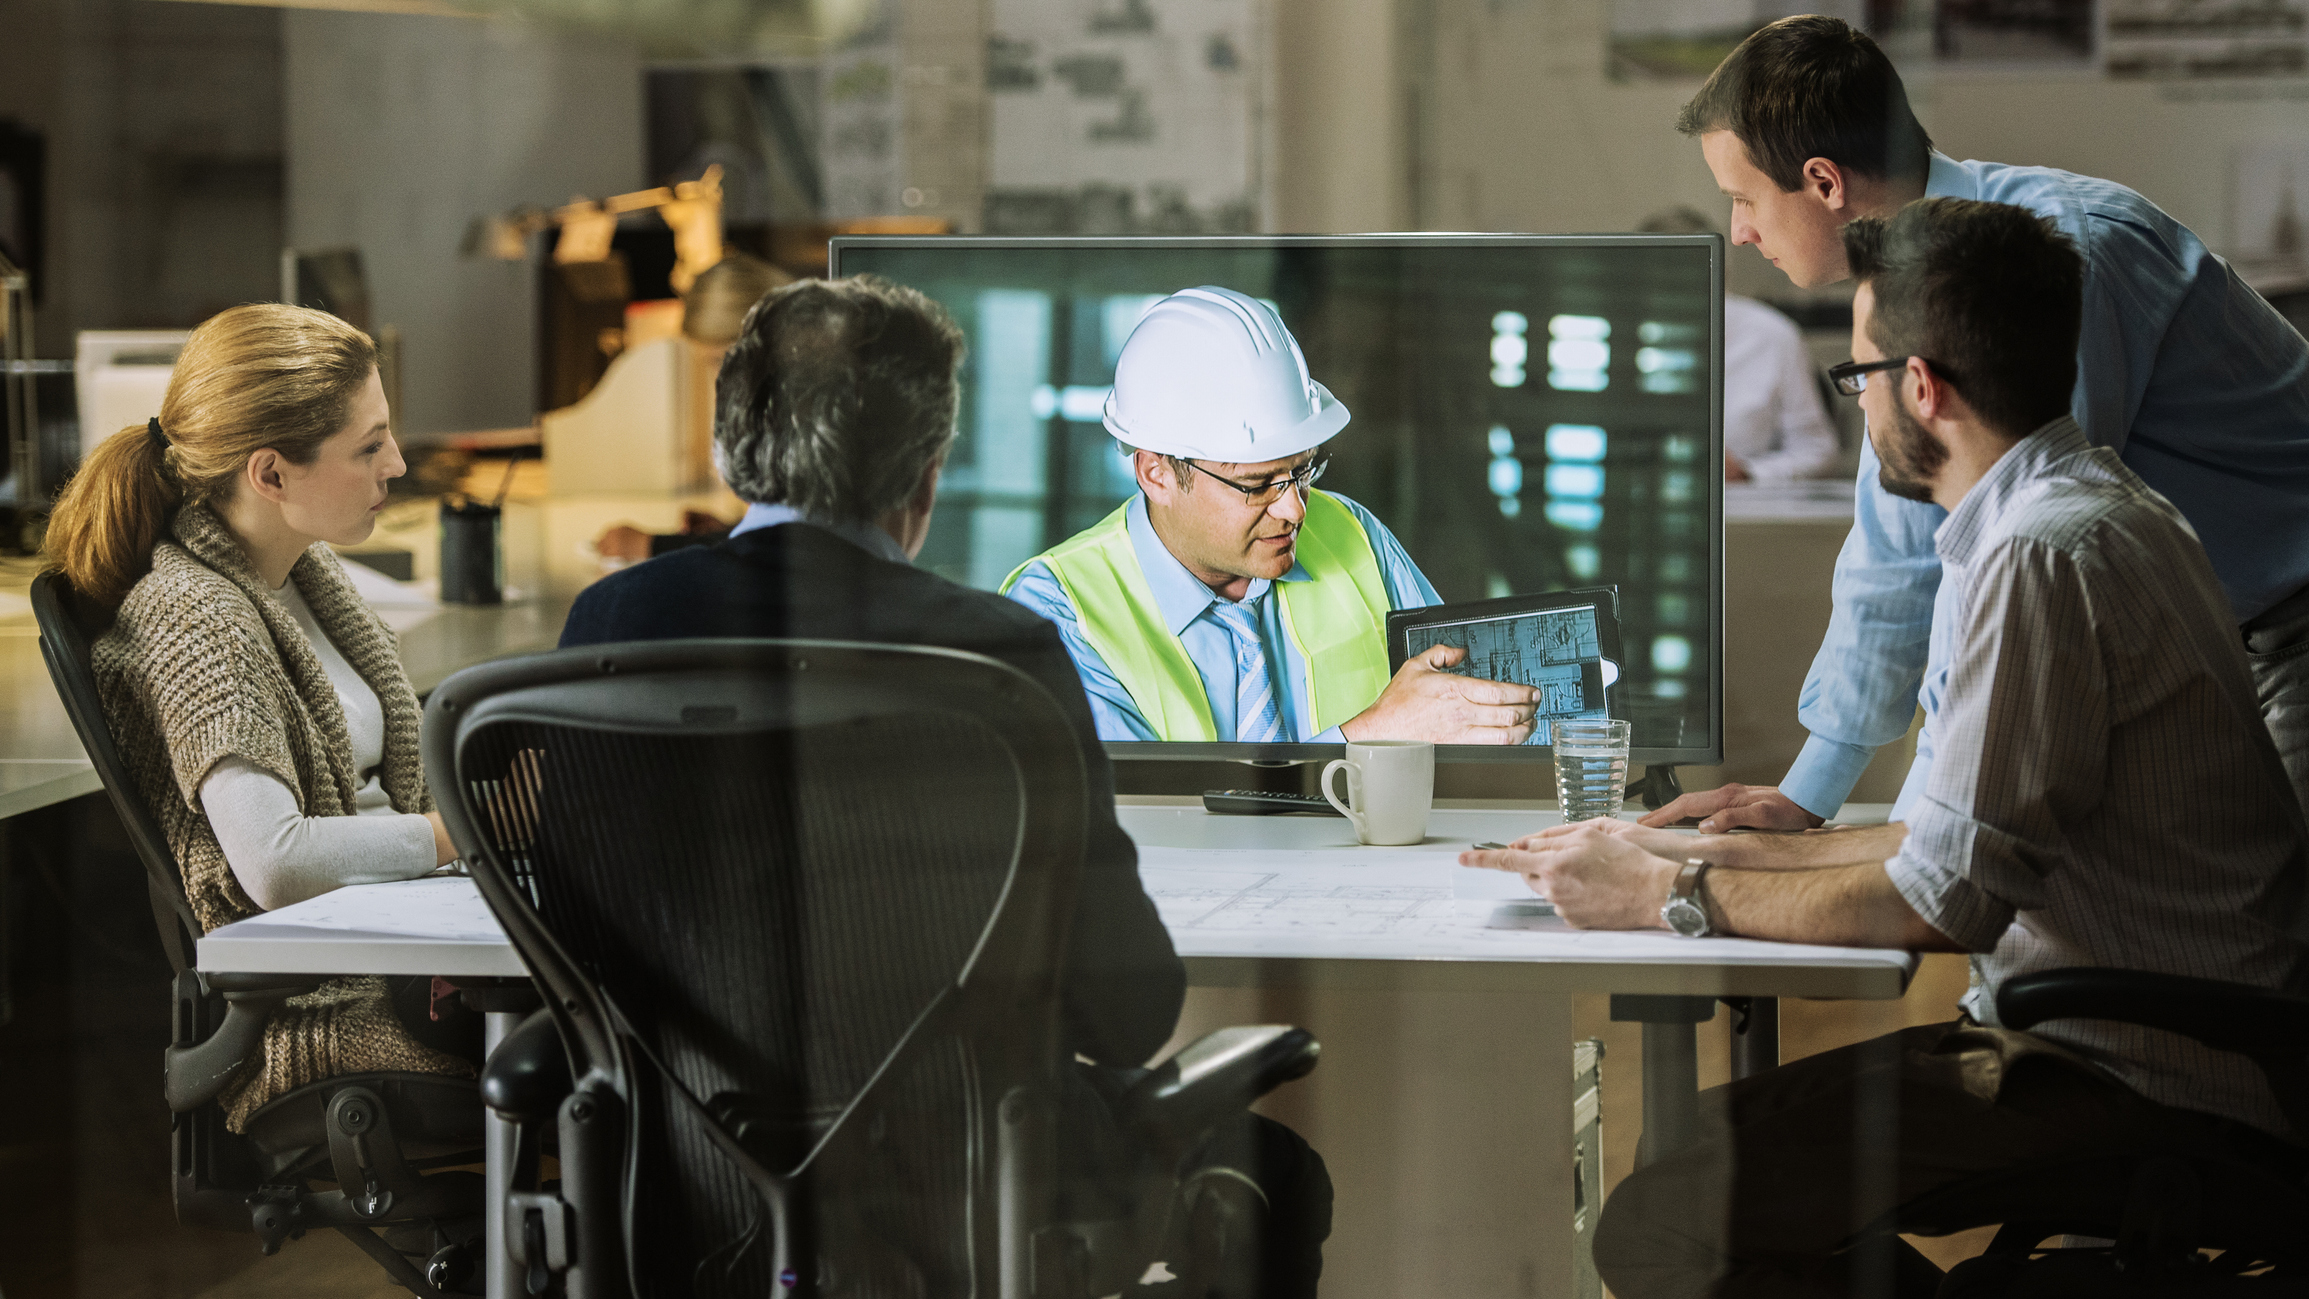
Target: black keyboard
{"x": 1252, "y": 802}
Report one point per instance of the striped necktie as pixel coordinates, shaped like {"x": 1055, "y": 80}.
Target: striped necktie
{"x": 1257, "y": 720}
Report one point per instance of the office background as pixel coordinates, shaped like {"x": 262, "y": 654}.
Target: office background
{"x": 156, "y": 157}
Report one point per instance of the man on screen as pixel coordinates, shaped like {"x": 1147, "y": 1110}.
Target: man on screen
{"x": 1249, "y": 607}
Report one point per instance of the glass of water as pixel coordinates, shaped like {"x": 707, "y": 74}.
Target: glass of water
{"x": 1591, "y": 766}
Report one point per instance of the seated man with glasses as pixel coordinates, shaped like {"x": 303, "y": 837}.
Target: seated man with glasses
{"x": 1230, "y": 600}
{"x": 2105, "y": 794}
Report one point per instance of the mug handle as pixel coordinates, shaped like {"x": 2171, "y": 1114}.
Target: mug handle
{"x": 1337, "y": 765}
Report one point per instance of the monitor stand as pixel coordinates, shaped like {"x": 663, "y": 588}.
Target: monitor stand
{"x": 1658, "y": 786}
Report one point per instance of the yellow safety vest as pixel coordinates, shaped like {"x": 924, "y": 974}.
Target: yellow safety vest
{"x": 1337, "y": 622}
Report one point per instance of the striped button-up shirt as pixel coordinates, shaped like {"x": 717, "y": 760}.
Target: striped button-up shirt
{"x": 2104, "y": 791}
{"x": 2195, "y": 380}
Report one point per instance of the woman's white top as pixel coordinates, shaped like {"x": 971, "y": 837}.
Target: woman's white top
{"x": 281, "y": 856}
{"x": 1774, "y": 419}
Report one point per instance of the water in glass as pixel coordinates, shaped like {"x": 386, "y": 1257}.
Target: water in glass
{"x": 1591, "y": 766}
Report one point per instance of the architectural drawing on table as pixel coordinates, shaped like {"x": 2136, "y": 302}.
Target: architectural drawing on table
{"x": 1395, "y": 913}
{"x": 451, "y": 910}
{"x": 1558, "y": 651}
{"x": 1184, "y": 897}
{"x": 1245, "y": 901}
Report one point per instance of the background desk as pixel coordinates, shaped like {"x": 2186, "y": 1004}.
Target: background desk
{"x": 1444, "y": 1104}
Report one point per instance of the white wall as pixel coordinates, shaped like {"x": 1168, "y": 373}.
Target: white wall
{"x": 403, "y": 129}
{"x": 2177, "y": 144}
{"x": 1337, "y": 135}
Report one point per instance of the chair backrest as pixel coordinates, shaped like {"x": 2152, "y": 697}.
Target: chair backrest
{"x": 69, "y": 625}
{"x": 765, "y": 867}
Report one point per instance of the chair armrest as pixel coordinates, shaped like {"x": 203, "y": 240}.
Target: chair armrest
{"x": 194, "y": 1073}
{"x": 1214, "y": 1077}
{"x": 527, "y": 1076}
{"x": 2225, "y": 1016}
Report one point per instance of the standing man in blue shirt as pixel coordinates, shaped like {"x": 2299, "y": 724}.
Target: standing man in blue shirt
{"x": 2195, "y": 381}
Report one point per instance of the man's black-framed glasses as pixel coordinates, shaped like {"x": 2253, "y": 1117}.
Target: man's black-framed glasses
{"x": 1851, "y": 378}
{"x": 1267, "y": 493}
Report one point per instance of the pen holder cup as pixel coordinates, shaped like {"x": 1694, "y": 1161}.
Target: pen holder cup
{"x": 472, "y": 556}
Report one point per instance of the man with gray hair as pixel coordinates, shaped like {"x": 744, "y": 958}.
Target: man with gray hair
{"x": 833, "y": 414}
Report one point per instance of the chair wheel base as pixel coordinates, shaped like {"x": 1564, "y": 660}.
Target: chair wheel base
{"x": 455, "y": 1269}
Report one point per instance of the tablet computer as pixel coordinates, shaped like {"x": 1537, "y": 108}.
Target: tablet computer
{"x": 1566, "y": 643}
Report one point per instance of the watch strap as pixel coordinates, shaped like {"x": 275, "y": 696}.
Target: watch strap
{"x": 1687, "y": 884}
{"x": 1687, "y": 900}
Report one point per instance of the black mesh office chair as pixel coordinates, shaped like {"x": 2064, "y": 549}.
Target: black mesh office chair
{"x": 372, "y": 1134}
{"x": 2246, "y": 1194}
{"x": 800, "y": 911}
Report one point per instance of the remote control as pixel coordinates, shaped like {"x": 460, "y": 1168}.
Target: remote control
{"x": 1251, "y": 802}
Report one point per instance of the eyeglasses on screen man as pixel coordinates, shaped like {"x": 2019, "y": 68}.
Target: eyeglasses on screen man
{"x": 1267, "y": 493}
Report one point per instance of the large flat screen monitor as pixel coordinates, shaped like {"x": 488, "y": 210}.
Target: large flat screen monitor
{"x": 1528, "y": 415}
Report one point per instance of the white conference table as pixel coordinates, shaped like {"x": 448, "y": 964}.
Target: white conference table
{"x": 1267, "y": 902}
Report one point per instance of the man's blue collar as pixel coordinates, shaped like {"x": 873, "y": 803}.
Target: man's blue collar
{"x": 865, "y": 536}
{"x": 1949, "y": 178}
{"x": 1179, "y": 594}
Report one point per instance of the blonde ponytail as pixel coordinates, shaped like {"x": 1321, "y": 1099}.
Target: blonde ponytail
{"x": 112, "y": 513}
{"x": 249, "y": 378}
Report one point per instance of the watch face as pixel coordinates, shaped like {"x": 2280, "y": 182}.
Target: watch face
{"x": 1685, "y": 917}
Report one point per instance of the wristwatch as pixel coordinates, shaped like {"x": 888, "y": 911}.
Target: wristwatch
{"x": 1684, "y": 912}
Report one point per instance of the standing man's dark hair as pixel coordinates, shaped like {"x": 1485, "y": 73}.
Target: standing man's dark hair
{"x": 1813, "y": 87}
{"x": 1990, "y": 295}
{"x": 836, "y": 396}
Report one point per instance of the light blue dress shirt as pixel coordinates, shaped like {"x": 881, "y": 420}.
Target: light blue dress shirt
{"x": 1188, "y": 610}
{"x": 865, "y": 536}
{"x": 2195, "y": 381}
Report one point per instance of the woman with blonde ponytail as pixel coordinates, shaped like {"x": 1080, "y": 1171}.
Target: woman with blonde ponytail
{"x": 260, "y": 704}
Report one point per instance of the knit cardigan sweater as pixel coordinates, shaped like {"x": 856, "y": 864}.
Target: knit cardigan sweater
{"x": 203, "y": 664}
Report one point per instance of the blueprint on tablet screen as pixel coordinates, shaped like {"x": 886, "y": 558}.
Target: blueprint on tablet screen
{"x": 1557, "y": 650}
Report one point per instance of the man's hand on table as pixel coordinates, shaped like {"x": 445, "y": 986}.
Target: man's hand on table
{"x": 1659, "y": 843}
{"x": 1828, "y": 887}
{"x": 1730, "y": 807}
{"x": 1594, "y": 872}
{"x": 1810, "y": 850}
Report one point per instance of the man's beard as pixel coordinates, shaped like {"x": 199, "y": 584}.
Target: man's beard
{"x": 1908, "y": 459}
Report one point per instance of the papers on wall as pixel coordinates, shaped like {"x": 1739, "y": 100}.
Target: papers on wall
{"x": 2207, "y": 38}
{"x": 1123, "y": 117}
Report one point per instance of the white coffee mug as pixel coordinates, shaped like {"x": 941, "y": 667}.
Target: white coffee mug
{"x": 1390, "y": 787}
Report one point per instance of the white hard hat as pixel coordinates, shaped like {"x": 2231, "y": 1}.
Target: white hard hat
{"x": 1209, "y": 374}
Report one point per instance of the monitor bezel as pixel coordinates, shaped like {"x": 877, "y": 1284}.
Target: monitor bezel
{"x": 1711, "y": 754}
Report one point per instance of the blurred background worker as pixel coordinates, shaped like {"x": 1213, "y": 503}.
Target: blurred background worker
{"x": 1776, "y": 426}
{"x": 1165, "y": 604}
{"x": 713, "y": 313}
